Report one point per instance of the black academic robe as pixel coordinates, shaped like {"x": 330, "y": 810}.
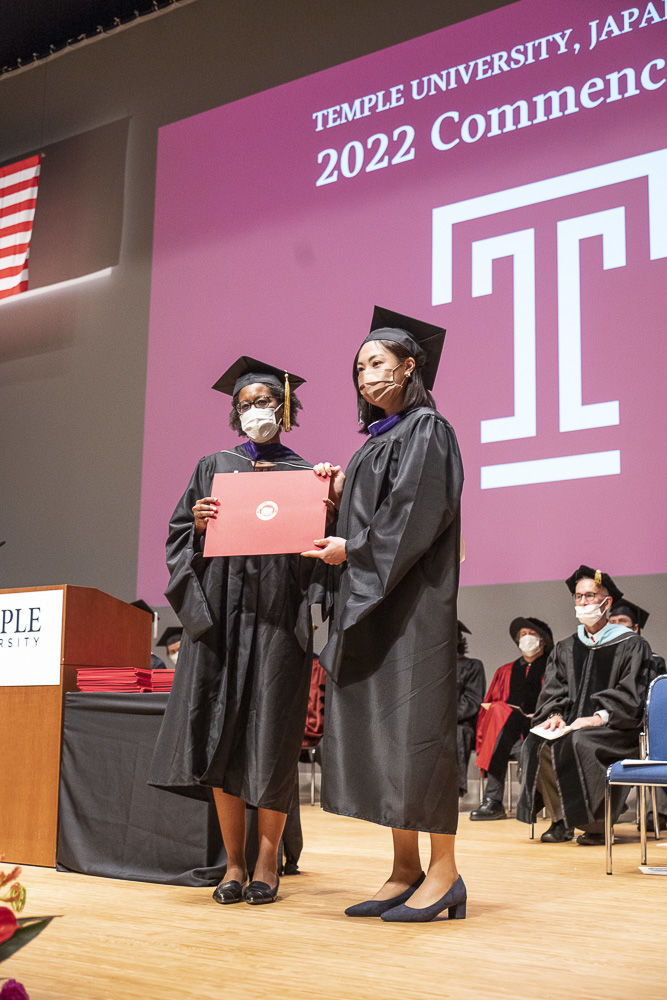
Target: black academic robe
{"x": 236, "y": 714}
{"x": 578, "y": 681}
{"x": 471, "y": 683}
{"x": 389, "y": 747}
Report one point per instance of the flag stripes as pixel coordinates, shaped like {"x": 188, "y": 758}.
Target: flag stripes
{"x": 18, "y": 198}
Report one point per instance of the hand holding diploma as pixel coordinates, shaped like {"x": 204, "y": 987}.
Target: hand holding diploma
{"x": 336, "y": 477}
{"x": 203, "y": 510}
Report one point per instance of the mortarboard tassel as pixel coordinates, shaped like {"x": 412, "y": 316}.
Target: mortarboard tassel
{"x": 598, "y": 577}
{"x": 286, "y": 406}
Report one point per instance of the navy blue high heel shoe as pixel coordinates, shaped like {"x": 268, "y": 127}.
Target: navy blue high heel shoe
{"x": 454, "y": 901}
{"x": 376, "y": 907}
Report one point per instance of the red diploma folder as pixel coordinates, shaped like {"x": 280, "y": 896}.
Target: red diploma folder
{"x": 266, "y": 513}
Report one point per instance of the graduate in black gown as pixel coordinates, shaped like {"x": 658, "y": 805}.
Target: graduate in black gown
{"x": 236, "y": 715}
{"x": 389, "y": 748}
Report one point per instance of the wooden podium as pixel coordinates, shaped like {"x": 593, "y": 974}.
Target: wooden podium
{"x": 97, "y": 630}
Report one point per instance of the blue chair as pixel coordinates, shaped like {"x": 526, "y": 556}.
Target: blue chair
{"x": 650, "y": 773}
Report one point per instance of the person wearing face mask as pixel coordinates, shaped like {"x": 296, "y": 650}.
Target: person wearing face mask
{"x": 507, "y": 710}
{"x": 624, "y": 612}
{"x": 171, "y": 640}
{"x": 236, "y": 714}
{"x": 389, "y": 747}
{"x": 592, "y": 702}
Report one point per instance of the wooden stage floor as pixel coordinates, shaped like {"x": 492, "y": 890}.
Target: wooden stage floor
{"x": 544, "y": 922}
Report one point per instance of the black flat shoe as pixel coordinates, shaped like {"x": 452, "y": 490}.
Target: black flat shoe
{"x": 591, "y": 839}
{"x": 376, "y": 907}
{"x": 489, "y": 809}
{"x": 257, "y": 893}
{"x": 557, "y": 833}
{"x": 228, "y": 892}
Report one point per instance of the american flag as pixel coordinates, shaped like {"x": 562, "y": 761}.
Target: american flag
{"x": 18, "y": 196}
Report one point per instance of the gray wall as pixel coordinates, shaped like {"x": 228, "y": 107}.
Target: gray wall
{"x": 72, "y": 362}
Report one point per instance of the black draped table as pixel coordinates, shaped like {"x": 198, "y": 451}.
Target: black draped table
{"x": 110, "y": 821}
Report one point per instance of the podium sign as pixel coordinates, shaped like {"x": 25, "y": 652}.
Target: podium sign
{"x": 31, "y": 628}
{"x": 46, "y": 635}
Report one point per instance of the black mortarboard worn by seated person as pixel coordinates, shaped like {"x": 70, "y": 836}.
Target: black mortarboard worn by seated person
{"x": 171, "y": 634}
{"x": 143, "y": 606}
{"x": 637, "y": 615}
{"x": 602, "y": 579}
{"x": 423, "y": 340}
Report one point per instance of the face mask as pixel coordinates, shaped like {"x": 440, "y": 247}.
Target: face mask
{"x": 529, "y": 644}
{"x": 378, "y": 391}
{"x": 259, "y": 424}
{"x": 589, "y": 614}
{"x": 173, "y": 657}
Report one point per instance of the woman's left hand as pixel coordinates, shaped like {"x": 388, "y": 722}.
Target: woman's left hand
{"x": 329, "y": 550}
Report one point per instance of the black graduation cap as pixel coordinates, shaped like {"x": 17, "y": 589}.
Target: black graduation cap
{"x": 171, "y": 634}
{"x": 462, "y": 627}
{"x": 536, "y": 625}
{"x": 248, "y": 371}
{"x": 423, "y": 340}
{"x": 636, "y": 614}
{"x": 602, "y": 579}
{"x": 143, "y": 606}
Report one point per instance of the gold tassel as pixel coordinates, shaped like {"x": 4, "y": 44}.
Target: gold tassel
{"x": 598, "y": 577}
{"x": 287, "y": 415}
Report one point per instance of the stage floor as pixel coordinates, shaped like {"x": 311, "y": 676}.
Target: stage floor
{"x": 544, "y": 922}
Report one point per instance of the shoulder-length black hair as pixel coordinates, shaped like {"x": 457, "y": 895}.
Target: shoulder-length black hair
{"x": 277, "y": 393}
{"x": 416, "y": 393}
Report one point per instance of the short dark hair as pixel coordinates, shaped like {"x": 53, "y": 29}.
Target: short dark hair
{"x": 279, "y": 394}
{"x": 416, "y": 393}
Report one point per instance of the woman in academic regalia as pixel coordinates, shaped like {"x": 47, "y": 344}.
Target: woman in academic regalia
{"x": 389, "y": 749}
{"x": 236, "y": 715}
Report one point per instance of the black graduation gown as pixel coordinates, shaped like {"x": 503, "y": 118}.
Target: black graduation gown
{"x": 389, "y": 747}
{"x": 237, "y": 710}
{"x": 579, "y": 680}
{"x": 471, "y": 683}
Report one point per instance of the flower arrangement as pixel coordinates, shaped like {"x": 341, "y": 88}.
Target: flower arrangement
{"x": 15, "y": 931}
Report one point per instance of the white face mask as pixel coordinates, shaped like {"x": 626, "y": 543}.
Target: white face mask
{"x": 589, "y": 614}
{"x": 529, "y": 644}
{"x": 173, "y": 657}
{"x": 259, "y": 424}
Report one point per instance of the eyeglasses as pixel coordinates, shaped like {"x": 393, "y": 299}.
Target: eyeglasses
{"x": 261, "y": 403}
{"x": 589, "y": 598}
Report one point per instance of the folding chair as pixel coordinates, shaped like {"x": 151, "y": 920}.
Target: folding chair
{"x": 648, "y": 772}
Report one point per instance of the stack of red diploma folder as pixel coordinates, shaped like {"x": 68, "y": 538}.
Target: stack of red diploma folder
{"x": 128, "y": 679}
{"x": 155, "y": 680}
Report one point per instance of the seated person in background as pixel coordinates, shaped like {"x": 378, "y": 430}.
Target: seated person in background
{"x": 155, "y": 661}
{"x": 171, "y": 640}
{"x": 626, "y": 613}
{"x": 470, "y": 682}
{"x": 593, "y": 701}
{"x": 507, "y": 709}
